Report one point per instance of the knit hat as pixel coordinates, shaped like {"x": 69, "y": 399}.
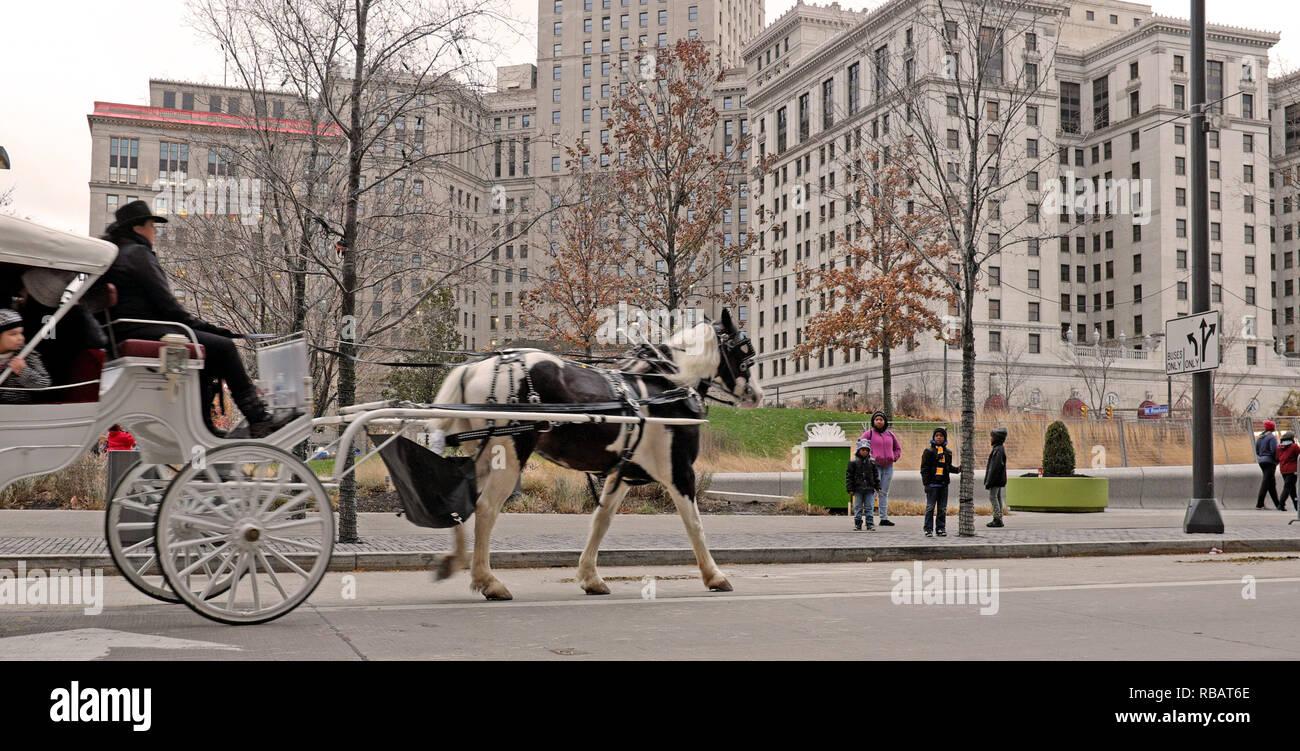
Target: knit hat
{"x": 937, "y": 431}
{"x": 863, "y": 443}
{"x": 1269, "y": 425}
{"x": 9, "y": 319}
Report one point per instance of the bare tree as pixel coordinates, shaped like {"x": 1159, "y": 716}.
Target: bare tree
{"x": 1008, "y": 373}
{"x": 371, "y": 68}
{"x": 972, "y": 95}
{"x": 1092, "y": 363}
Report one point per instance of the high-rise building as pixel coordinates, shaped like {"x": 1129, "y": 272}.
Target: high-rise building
{"x": 1113, "y": 86}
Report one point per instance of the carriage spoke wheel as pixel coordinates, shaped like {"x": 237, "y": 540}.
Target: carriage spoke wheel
{"x": 129, "y": 530}
{"x": 251, "y": 515}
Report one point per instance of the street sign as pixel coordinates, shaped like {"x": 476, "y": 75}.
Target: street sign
{"x": 1155, "y": 410}
{"x": 1192, "y": 343}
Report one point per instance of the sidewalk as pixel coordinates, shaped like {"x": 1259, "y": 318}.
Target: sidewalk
{"x": 50, "y": 539}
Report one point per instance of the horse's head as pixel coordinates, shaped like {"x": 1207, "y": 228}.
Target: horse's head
{"x": 735, "y": 359}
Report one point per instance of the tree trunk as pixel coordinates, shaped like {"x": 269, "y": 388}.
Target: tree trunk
{"x": 887, "y": 382}
{"x": 348, "y": 328}
{"x": 966, "y": 495}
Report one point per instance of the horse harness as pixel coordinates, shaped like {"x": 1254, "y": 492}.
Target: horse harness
{"x": 624, "y": 400}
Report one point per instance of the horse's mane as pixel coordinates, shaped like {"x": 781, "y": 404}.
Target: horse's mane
{"x": 686, "y": 358}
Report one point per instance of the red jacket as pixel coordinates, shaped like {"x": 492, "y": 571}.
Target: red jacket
{"x": 1287, "y": 458}
{"x": 120, "y": 440}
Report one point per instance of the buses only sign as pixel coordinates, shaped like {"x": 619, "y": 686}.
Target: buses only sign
{"x": 1192, "y": 343}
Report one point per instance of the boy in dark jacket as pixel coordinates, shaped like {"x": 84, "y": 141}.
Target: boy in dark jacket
{"x": 995, "y": 475}
{"x": 862, "y": 482}
{"x": 936, "y": 466}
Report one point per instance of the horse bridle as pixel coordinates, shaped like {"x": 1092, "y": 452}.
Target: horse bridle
{"x": 737, "y": 356}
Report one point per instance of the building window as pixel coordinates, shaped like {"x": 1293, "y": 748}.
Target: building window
{"x": 995, "y": 341}
{"x": 1070, "y": 107}
{"x": 123, "y": 160}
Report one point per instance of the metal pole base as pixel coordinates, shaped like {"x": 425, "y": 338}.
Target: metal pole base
{"x": 1203, "y": 516}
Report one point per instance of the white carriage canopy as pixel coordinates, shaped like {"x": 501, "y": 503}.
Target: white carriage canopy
{"x": 26, "y": 243}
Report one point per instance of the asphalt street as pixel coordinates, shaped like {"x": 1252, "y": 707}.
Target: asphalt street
{"x": 1131, "y": 608}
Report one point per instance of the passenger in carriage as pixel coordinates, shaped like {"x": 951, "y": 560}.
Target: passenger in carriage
{"x": 76, "y": 331}
{"x": 143, "y": 292}
{"x": 29, "y": 372}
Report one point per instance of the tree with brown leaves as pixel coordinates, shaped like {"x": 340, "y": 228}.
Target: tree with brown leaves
{"x": 881, "y": 294}
{"x": 673, "y": 183}
{"x": 586, "y": 277}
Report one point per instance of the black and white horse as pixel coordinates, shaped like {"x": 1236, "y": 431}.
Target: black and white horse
{"x": 708, "y": 355}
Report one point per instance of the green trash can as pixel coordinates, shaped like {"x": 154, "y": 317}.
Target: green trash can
{"x": 824, "y": 463}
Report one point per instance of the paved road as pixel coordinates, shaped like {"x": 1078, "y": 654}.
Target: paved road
{"x": 1147, "y": 607}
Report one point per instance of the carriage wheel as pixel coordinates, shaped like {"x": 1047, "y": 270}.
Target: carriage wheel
{"x": 265, "y": 524}
{"x": 129, "y": 529}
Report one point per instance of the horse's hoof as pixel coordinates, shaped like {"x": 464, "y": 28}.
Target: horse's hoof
{"x": 497, "y": 591}
{"x": 599, "y": 587}
{"x": 719, "y": 584}
{"x": 444, "y": 566}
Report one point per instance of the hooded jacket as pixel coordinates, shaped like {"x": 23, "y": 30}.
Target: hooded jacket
{"x": 995, "y": 474}
{"x": 1288, "y": 452}
{"x": 936, "y": 462}
{"x": 885, "y": 447}
{"x": 1266, "y": 448}
{"x": 861, "y": 476}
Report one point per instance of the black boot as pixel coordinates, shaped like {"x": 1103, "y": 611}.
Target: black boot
{"x": 260, "y": 422}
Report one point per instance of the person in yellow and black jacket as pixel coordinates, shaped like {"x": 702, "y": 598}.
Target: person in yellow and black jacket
{"x": 936, "y": 467}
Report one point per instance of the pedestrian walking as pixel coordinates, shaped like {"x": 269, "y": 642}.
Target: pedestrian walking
{"x": 861, "y": 480}
{"x": 1266, "y": 457}
{"x": 1287, "y": 455}
{"x": 936, "y": 467}
{"x": 885, "y": 451}
{"x": 995, "y": 475}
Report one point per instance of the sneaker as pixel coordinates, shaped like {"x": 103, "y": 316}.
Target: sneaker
{"x": 857, "y": 526}
{"x": 995, "y": 523}
{"x": 886, "y": 523}
{"x": 941, "y": 533}
{"x": 929, "y": 533}
{"x": 871, "y": 528}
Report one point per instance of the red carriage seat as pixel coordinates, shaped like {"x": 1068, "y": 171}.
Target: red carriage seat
{"x": 87, "y": 366}
{"x": 152, "y": 348}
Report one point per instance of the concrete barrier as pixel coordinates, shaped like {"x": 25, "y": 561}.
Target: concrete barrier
{"x": 1130, "y": 487}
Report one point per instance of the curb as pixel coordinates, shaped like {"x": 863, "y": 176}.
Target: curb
{"x": 505, "y": 559}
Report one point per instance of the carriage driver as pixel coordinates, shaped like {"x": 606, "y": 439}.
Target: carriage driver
{"x": 143, "y": 292}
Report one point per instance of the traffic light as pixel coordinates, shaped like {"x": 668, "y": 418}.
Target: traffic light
{"x": 1083, "y": 410}
{"x": 1110, "y": 412}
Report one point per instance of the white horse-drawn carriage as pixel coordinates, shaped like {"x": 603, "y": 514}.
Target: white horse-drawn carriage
{"x": 241, "y": 531}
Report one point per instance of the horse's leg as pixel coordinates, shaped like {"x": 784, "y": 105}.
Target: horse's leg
{"x": 610, "y": 499}
{"x": 684, "y": 498}
{"x": 501, "y": 467}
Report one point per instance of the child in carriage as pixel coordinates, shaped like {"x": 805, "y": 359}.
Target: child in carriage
{"x": 28, "y": 372}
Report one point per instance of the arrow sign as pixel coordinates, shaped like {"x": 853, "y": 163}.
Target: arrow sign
{"x": 1193, "y": 343}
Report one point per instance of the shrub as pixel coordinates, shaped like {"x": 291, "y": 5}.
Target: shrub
{"x": 1058, "y": 451}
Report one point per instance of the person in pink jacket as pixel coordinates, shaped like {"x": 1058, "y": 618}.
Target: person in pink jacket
{"x": 885, "y": 451}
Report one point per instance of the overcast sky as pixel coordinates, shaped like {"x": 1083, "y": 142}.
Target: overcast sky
{"x": 60, "y": 56}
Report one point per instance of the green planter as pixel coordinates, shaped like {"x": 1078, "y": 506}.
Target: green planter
{"x": 823, "y": 473}
{"x": 1066, "y": 494}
